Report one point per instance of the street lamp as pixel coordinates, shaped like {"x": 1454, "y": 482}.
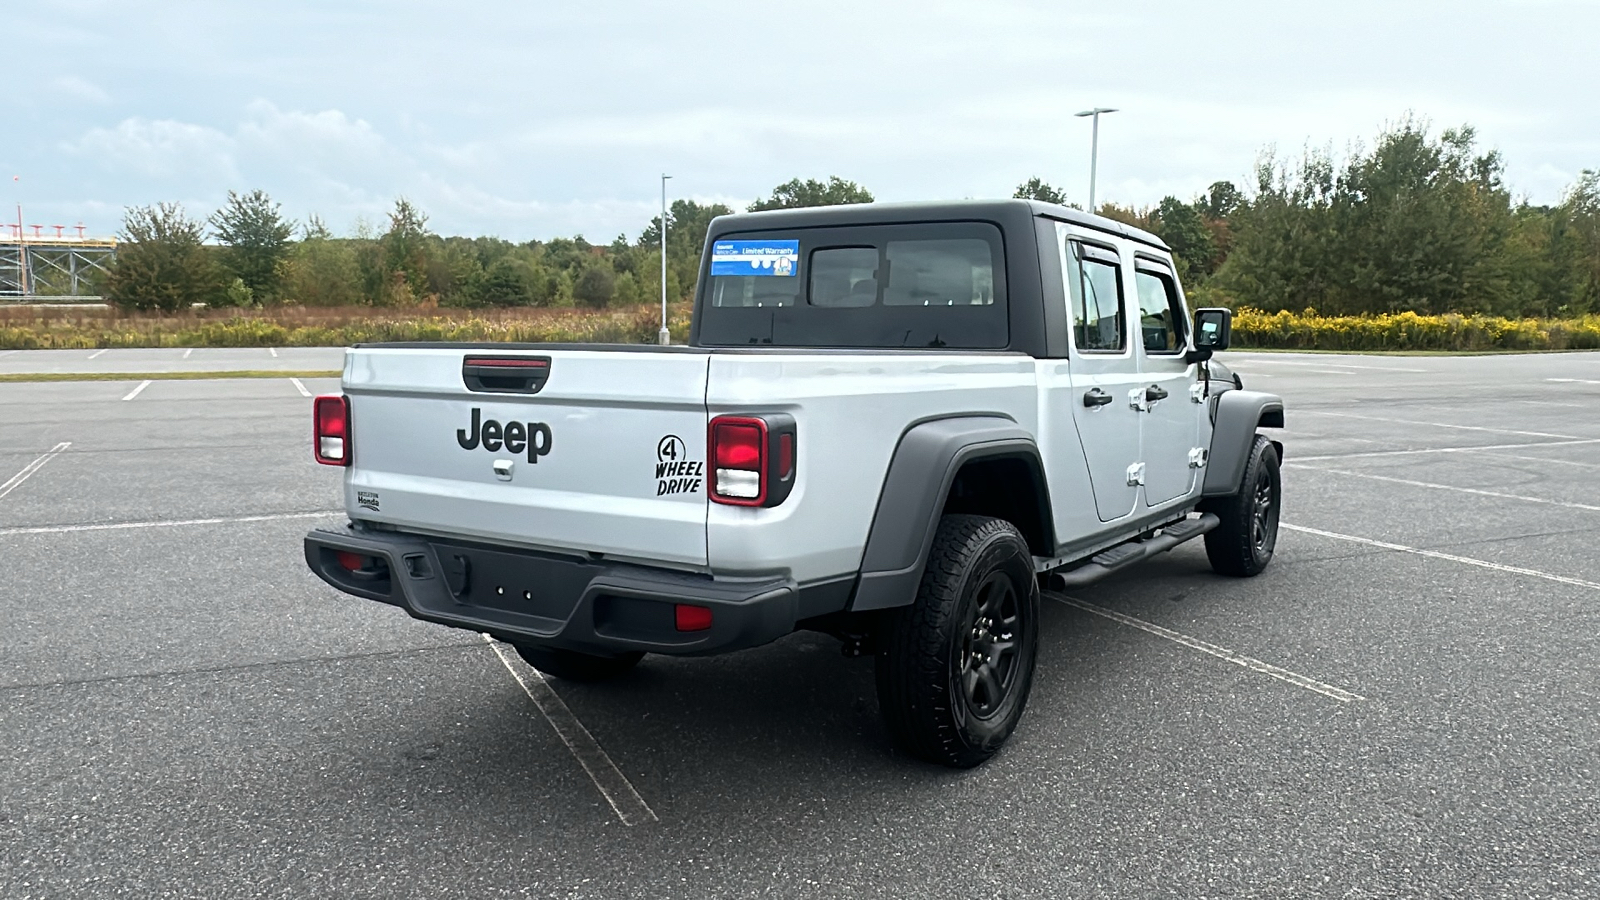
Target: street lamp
{"x": 1094, "y": 151}
{"x": 664, "y": 337}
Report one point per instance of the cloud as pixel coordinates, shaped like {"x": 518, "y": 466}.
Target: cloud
{"x": 81, "y": 89}
{"x": 327, "y": 142}
{"x": 159, "y": 149}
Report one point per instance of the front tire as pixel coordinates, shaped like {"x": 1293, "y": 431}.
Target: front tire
{"x": 1243, "y": 544}
{"x": 574, "y": 666}
{"x": 955, "y": 667}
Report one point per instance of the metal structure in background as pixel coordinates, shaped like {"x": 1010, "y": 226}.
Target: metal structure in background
{"x": 1094, "y": 149}
{"x": 664, "y": 337}
{"x": 58, "y": 265}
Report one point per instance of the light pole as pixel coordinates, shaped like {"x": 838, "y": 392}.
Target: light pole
{"x": 664, "y": 337}
{"x": 1094, "y": 149}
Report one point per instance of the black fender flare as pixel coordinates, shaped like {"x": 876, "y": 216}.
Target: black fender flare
{"x": 924, "y": 466}
{"x": 1234, "y": 419}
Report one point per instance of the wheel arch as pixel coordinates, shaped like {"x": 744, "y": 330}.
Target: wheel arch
{"x": 1235, "y": 416}
{"x": 978, "y": 464}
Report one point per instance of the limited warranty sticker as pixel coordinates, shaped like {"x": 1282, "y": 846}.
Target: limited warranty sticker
{"x": 771, "y": 258}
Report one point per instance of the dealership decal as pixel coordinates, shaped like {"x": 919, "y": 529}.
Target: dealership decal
{"x": 766, "y": 258}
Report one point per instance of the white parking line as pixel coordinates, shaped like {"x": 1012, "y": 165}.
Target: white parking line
{"x": 1446, "y": 487}
{"x": 1318, "y": 412}
{"x": 1254, "y": 665}
{"x": 300, "y": 387}
{"x": 1451, "y": 557}
{"x": 168, "y": 523}
{"x": 17, "y": 479}
{"x": 1563, "y": 462}
{"x": 1573, "y": 380}
{"x": 135, "y": 392}
{"x": 273, "y": 351}
{"x": 1371, "y": 453}
{"x": 98, "y": 352}
{"x": 187, "y": 352}
{"x": 612, "y": 784}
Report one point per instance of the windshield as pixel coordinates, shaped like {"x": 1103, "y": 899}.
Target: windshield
{"x": 924, "y": 285}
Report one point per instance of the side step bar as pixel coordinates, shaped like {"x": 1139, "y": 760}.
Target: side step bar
{"x": 1123, "y": 555}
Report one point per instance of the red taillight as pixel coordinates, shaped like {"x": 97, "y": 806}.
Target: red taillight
{"x": 691, "y": 618}
{"x": 331, "y": 440}
{"x": 352, "y": 561}
{"x": 737, "y": 448}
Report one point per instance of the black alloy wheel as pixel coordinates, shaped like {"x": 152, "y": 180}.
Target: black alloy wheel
{"x": 988, "y": 665}
{"x": 1264, "y": 514}
{"x": 955, "y": 667}
{"x": 1243, "y": 543}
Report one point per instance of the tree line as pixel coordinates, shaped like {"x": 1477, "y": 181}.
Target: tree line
{"x": 1419, "y": 221}
{"x": 249, "y": 254}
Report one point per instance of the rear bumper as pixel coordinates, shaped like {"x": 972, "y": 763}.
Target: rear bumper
{"x": 542, "y": 599}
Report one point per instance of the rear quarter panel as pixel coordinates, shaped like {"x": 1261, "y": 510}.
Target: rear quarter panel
{"x": 851, "y": 410}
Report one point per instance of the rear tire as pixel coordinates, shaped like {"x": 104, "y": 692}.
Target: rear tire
{"x": 574, "y": 666}
{"x": 955, "y": 667}
{"x": 1242, "y": 545}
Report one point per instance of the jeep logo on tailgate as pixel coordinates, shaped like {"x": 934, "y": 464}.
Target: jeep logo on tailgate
{"x": 535, "y": 437}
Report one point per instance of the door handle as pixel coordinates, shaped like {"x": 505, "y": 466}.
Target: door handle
{"x": 1096, "y": 397}
{"x": 1155, "y": 392}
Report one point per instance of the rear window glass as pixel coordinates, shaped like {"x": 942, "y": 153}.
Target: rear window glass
{"x": 926, "y": 285}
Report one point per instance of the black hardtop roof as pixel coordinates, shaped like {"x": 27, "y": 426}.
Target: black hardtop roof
{"x": 923, "y": 211}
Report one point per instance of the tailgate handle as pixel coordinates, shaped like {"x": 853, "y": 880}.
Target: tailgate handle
{"x": 505, "y": 374}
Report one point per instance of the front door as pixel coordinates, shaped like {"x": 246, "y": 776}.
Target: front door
{"x": 1105, "y": 376}
{"x": 1172, "y": 419}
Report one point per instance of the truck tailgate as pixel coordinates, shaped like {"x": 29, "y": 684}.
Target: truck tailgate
{"x": 607, "y": 456}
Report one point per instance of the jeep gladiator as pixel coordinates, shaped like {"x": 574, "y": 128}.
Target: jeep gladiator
{"x": 890, "y": 423}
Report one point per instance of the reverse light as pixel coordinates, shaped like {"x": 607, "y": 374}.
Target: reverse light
{"x": 752, "y": 459}
{"x": 331, "y": 437}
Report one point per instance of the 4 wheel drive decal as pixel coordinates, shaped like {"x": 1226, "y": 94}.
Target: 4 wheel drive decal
{"x": 514, "y": 437}
{"x": 675, "y": 472}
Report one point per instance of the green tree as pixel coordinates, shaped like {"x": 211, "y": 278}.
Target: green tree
{"x": 508, "y": 282}
{"x": 1184, "y": 229}
{"x": 1580, "y": 220}
{"x": 404, "y": 255}
{"x": 1417, "y": 223}
{"x": 257, "y": 237}
{"x": 687, "y": 224}
{"x": 1036, "y": 189}
{"x": 597, "y": 284}
{"x": 794, "y": 194}
{"x": 322, "y": 270}
{"x": 162, "y": 262}
{"x": 1221, "y": 200}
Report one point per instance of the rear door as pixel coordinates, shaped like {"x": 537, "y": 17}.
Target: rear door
{"x": 1105, "y": 375}
{"x": 1172, "y": 422}
{"x": 599, "y": 451}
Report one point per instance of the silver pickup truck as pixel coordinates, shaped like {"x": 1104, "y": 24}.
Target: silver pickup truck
{"x": 891, "y": 423}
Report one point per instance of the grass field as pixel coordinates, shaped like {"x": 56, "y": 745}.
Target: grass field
{"x": 35, "y": 328}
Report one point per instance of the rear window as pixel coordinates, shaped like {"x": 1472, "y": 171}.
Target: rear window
{"x": 926, "y": 285}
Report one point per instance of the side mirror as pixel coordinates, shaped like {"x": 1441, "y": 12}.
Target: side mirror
{"x": 1213, "y": 328}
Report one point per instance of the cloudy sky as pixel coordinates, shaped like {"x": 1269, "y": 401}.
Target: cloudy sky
{"x": 538, "y": 118}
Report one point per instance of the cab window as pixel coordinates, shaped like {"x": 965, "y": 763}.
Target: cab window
{"x": 1098, "y": 309}
{"x": 1161, "y": 318}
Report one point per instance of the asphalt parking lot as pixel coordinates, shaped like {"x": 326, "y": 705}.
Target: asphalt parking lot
{"x": 1407, "y": 703}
